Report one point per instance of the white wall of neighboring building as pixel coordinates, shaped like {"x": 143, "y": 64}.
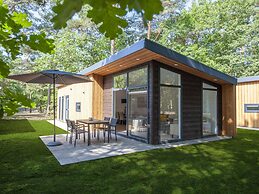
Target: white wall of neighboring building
{"x": 77, "y": 93}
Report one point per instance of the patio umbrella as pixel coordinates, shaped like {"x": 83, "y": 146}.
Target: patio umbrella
{"x": 51, "y": 77}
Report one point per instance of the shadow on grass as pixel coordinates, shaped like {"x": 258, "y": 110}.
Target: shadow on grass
{"x": 229, "y": 166}
{"x": 15, "y": 126}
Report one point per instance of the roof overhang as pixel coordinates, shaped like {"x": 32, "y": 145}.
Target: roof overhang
{"x": 248, "y": 79}
{"x": 146, "y": 50}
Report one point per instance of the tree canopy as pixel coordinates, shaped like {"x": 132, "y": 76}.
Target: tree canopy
{"x": 107, "y": 14}
{"x": 17, "y": 38}
{"x": 71, "y": 35}
{"x": 221, "y": 34}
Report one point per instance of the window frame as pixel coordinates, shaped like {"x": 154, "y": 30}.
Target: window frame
{"x": 246, "y": 106}
{"x": 78, "y": 103}
{"x": 180, "y": 99}
{"x": 217, "y": 105}
{"x": 171, "y": 85}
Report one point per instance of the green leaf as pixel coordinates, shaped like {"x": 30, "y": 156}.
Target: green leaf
{"x": 111, "y": 23}
{"x": 13, "y": 99}
{"x": 7, "y": 30}
{"x": 107, "y": 14}
{"x": 21, "y": 19}
{"x": 1, "y": 111}
{"x": 40, "y": 42}
{"x": 65, "y": 11}
{"x": 12, "y": 39}
{"x": 3, "y": 11}
{"x": 4, "y": 69}
{"x": 146, "y": 7}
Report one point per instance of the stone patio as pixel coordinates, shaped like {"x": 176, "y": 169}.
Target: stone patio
{"x": 68, "y": 154}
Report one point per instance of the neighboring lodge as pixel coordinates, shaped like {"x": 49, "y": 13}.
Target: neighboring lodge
{"x": 248, "y": 102}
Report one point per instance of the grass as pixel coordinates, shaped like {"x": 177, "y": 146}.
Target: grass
{"x": 26, "y": 166}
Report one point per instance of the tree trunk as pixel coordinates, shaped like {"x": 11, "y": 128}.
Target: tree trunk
{"x": 48, "y": 102}
{"x": 158, "y": 33}
{"x": 112, "y": 47}
{"x": 30, "y": 99}
{"x": 148, "y": 29}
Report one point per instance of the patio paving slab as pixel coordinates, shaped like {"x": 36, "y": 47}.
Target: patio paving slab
{"x": 68, "y": 154}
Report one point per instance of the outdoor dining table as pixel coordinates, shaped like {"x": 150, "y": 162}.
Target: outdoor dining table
{"x": 89, "y": 122}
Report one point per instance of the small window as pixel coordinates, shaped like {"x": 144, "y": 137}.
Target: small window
{"x": 252, "y": 108}
{"x": 207, "y": 86}
{"x": 78, "y": 106}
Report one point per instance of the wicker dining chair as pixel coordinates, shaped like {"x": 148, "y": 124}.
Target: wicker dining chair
{"x": 112, "y": 127}
{"x": 77, "y": 129}
{"x": 69, "y": 128}
{"x": 102, "y": 127}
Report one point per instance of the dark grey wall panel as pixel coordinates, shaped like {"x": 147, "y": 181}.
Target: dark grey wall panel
{"x": 191, "y": 107}
{"x": 154, "y": 101}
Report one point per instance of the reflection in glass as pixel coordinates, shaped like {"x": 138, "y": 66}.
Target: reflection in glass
{"x": 120, "y": 81}
{"x": 138, "y": 77}
{"x": 209, "y": 112}
{"x": 137, "y": 112}
{"x": 169, "y": 78}
{"x": 207, "y": 86}
{"x": 169, "y": 113}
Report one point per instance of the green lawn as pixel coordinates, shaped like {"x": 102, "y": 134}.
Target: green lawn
{"x": 26, "y": 166}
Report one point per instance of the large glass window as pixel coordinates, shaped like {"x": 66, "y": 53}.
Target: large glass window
{"x": 130, "y": 102}
{"x": 138, "y": 77}
{"x": 170, "y": 95}
{"x": 207, "y": 86}
{"x": 169, "y": 78}
{"x": 120, "y": 81}
{"x": 210, "y": 118}
{"x": 119, "y": 100}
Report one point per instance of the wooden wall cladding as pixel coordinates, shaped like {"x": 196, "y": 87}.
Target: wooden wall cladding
{"x": 127, "y": 62}
{"x": 191, "y": 107}
{"x": 97, "y": 102}
{"x": 229, "y": 110}
{"x": 247, "y": 93}
{"x": 107, "y": 96}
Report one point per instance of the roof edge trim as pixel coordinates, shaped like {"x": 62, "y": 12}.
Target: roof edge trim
{"x": 248, "y": 79}
{"x": 173, "y": 55}
{"x": 120, "y": 54}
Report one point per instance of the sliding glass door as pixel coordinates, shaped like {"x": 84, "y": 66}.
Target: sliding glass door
{"x": 120, "y": 101}
{"x": 137, "y": 112}
{"x": 210, "y": 124}
{"x": 137, "y": 103}
{"x": 170, "y": 98}
{"x": 130, "y": 102}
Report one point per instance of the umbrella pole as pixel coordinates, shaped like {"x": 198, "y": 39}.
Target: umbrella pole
{"x": 54, "y": 106}
{"x": 54, "y": 143}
